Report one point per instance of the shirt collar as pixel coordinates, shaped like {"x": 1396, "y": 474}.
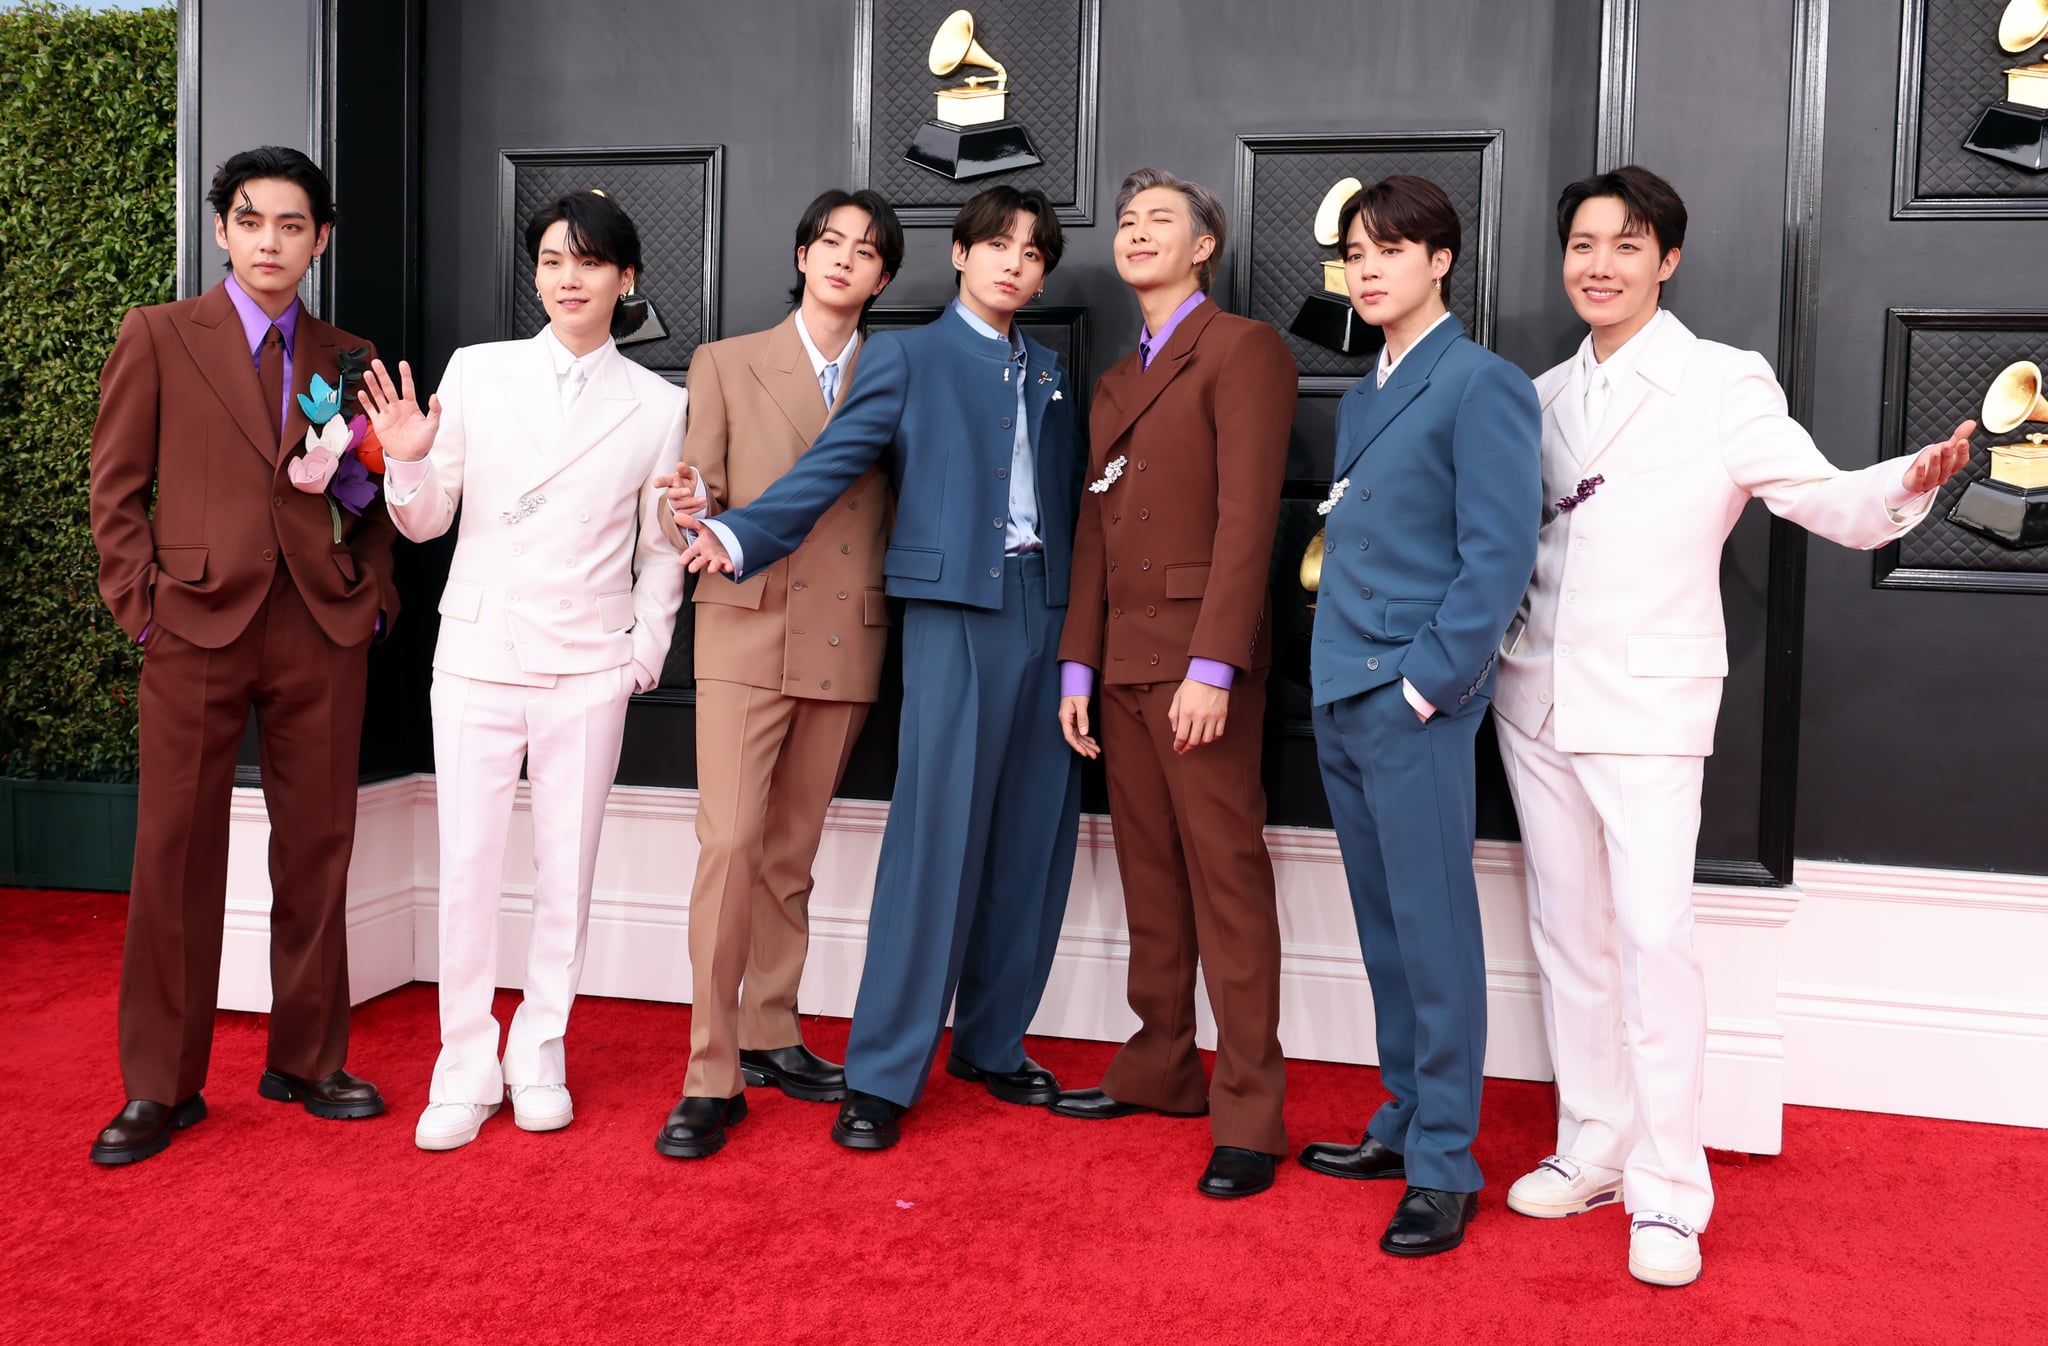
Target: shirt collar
{"x": 563, "y": 357}
{"x": 818, "y": 358}
{"x": 1156, "y": 344}
{"x": 255, "y": 322}
{"x": 1389, "y": 362}
{"x": 1620, "y": 364}
{"x": 1016, "y": 338}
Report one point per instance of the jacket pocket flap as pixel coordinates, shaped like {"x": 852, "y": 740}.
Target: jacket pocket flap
{"x": 874, "y": 608}
{"x": 462, "y": 600}
{"x": 913, "y": 563}
{"x": 615, "y": 611}
{"x": 1187, "y": 581}
{"x": 1406, "y": 616}
{"x": 1678, "y": 656}
{"x": 716, "y": 588}
{"x": 182, "y": 563}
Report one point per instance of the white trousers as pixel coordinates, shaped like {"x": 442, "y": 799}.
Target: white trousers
{"x": 569, "y": 737}
{"x": 1608, "y": 842}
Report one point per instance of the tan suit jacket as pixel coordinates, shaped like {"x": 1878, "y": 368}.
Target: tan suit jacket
{"x": 815, "y": 623}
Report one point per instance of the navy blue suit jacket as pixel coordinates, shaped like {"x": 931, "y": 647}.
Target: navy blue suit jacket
{"x": 1427, "y": 554}
{"x": 934, "y": 400}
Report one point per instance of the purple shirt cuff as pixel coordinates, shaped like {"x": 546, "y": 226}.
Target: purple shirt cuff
{"x": 1212, "y": 671}
{"x": 1076, "y": 679}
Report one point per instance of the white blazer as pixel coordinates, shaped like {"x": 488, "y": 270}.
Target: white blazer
{"x": 1620, "y": 635}
{"x": 561, "y": 565}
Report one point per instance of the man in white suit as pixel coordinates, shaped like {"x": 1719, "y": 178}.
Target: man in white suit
{"x": 1610, "y": 682}
{"x": 560, "y": 602}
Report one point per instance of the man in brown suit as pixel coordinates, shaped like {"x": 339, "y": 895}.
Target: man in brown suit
{"x": 1188, "y": 449}
{"x": 247, "y": 585}
{"x": 788, "y": 663}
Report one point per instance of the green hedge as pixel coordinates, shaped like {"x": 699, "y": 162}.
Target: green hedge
{"x": 88, "y": 138}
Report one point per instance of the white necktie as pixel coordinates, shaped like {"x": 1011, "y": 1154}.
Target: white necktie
{"x": 572, "y": 383}
{"x": 1599, "y": 391}
{"x": 828, "y": 382}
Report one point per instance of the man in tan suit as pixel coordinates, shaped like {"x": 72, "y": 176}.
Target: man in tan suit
{"x": 788, "y": 663}
{"x": 259, "y": 581}
{"x": 1188, "y": 449}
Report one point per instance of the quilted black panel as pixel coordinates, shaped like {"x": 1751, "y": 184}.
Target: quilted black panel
{"x": 1962, "y": 73}
{"x": 1286, "y": 261}
{"x": 1040, "y": 43}
{"x": 1947, "y": 371}
{"x": 669, "y": 204}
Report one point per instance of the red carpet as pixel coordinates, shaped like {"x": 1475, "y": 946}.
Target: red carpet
{"x": 989, "y": 1222}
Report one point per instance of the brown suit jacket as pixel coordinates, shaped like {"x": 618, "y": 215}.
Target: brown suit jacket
{"x": 815, "y": 623}
{"x": 181, "y": 410}
{"x": 1171, "y": 561}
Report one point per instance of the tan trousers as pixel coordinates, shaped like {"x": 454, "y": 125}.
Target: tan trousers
{"x": 767, "y": 765}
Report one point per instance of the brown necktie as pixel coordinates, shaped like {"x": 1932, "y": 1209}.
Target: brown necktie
{"x": 270, "y": 372}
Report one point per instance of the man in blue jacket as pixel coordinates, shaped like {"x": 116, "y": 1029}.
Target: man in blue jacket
{"x": 978, "y": 426}
{"x": 1429, "y": 541}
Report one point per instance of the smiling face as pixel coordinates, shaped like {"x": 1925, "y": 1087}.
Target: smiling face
{"x": 1392, "y": 280}
{"x": 578, "y": 292}
{"x": 1156, "y": 245}
{"x": 1613, "y": 272}
{"x": 999, "y": 275}
{"x": 270, "y": 239}
{"x": 842, "y": 266}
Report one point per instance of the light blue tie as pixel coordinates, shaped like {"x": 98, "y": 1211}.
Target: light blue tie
{"x": 828, "y": 382}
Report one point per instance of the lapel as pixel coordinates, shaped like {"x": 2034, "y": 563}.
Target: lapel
{"x": 1564, "y": 397}
{"x": 214, "y": 338}
{"x": 1038, "y": 389}
{"x": 313, "y": 346}
{"x": 1661, "y": 368}
{"x": 1379, "y": 406}
{"x": 1138, "y": 387}
{"x": 784, "y": 370}
{"x": 604, "y": 404}
{"x": 532, "y": 393}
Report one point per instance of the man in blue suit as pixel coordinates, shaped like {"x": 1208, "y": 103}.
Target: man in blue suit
{"x": 978, "y": 425}
{"x": 1429, "y": 540}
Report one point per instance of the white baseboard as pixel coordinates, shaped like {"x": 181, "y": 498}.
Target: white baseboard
{"x": 1895, "y": 990}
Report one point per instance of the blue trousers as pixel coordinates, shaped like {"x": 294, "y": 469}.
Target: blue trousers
{"x": 978, "y": 855}
{"x": 1401, "y": 797}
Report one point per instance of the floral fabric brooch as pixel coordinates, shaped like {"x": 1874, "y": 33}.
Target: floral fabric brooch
{"x": 340, "y": 455}
{"x": 1110, "y": 472}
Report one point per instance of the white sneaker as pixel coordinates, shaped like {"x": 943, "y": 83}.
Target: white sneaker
{"x": 1561, "y": 1186}
{"x": 448, "y": 1126}
{"x": 541, "y": 1107}
{"x": 1663, "y": 1249}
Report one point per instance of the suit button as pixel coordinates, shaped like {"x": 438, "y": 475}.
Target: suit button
{"x": 797, "y": 586}
{"x": 508, "y": 644}
{"x": 1564, "y": 651}
{"x": 1006, "y": 422}
{"x": 995, "y": 572}
{"x": 511, "y": 598}
{"x": 1116, "y": 518}
{"x": 842, "y": 593}
{"x": 1365, "y": 593}
{"x": 999, "y": 523}
{"x": 1155, "y": 658}
{"x": 1145, "y": 565}
{"x": 1372, "y": 665}
{"x": 277, "y": 501}
{"x": 1578, "y": 544}
{"x": 564, "y": 604}
{"x": 570, "y": 562}
{"x": 583, "y": 516}
{"x": 1151, "y": 611}
{"x": 825, "y": 686}
{"x": 1328, "y": 546}
{"x": 1365, "y": 493}
{"x": 1116, "y": 612}
{"x": 1572, "y": 599}
{"x": 831, "y": 640}
{"x": 1112, "y": 565}
{"x": 518, "y": 550}
{"x": 1141, "y": 464}
{"x": 1002, "y": 473}
{"x": 1144, "y": 514}
{"x": 846, "y": 549}
{"x": 568, "y": 644}
{"x": 1364, "y": 543}
{"x": 269, "y": 555}
{"x": 1544, "y": 697}
{"x": 853, "y": 504}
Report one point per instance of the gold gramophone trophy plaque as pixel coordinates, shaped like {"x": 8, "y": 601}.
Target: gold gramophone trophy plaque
{"x": 970, "y": 134}
{"x": 1327, "y": 317}
{"x": 2012, "y": 507}
{"x": 2015, "y": 129}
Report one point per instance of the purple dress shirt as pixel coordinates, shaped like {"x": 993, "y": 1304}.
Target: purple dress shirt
{"x": 1079, "y": 679}
{"x": 255, "y": 324}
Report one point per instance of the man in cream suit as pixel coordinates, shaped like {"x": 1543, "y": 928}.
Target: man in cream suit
{"x": 1610, "y": 682}
{"x": 788, "y": 663}
{"x": 560, "y": 602}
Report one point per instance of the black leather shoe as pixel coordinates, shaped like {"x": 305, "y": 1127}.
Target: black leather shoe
{"x": 797, "y": 1071}
{"x": 144, "y": 1128}
{"x": 1094, "y": 1105}
{"x": 1030, "y": 1084}
{"x": 1367, "y": 1159}
{"x": 339, "y": 1096}
{"x": 1235, "y": 1172}
{"x": 866, "y": 1122}
{"x": 1428, "y": 1221}
{"x": 696, "y": 1127}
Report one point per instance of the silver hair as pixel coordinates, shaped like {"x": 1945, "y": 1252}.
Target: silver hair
{"x": 1205, "y": 211}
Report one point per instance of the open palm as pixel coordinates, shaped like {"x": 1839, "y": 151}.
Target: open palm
{"x": 402, "y": 428}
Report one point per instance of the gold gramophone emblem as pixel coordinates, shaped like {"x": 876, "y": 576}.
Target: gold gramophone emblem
{"x": 2012, "y": 507}
{"x": 1312, "y": 566}
{"x": 970, "y": 134}
{"x": 1327, "y": 317}
{"x": 2015, "y": 130}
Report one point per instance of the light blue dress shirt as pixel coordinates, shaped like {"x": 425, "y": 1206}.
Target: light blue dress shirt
{"x": 1021, "y": 535}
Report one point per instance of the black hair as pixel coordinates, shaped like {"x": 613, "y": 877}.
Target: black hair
{"x": 989, "y": 213}
{"x": 271, "y": 161}
{"x": 598, "y": 229}
{"x": 1405, "y": 209}
{"x": 885, "y": 232}
{"x": 1649, "y": 202}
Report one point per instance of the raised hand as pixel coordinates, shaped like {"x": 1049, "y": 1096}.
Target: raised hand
{"x": 1936, "y": 463}
{"x": 1074, "y": 724}
{"x": 706, "y": 553}
{"x": 395, "y": 415}
{"x": 686, "y": 498}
